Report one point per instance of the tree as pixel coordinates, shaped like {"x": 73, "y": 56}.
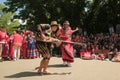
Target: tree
{"x": 43, "y": 11}
{"x": 99, "y": 12}
{"x": 6, "y": 19}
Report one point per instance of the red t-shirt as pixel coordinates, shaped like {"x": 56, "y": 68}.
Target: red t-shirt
{"x": 3, "y": 37}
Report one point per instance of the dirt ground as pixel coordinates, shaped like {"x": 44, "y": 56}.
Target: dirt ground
{"x": 24, "y": 69}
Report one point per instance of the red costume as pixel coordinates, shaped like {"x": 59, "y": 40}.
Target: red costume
{"x": 67, "y": 49}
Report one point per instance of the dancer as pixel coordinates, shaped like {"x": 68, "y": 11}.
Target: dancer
{"x": 67, "y": 49}
{"x": 55, "y": 28}
{"x": 43, "y": 43}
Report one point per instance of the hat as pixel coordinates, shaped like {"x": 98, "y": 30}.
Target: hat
{"x": 54, "y": 23}
{"x": 66, "y": 22}
{"x": 43, "y": 25}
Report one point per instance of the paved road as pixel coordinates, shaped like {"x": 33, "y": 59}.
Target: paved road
{"x": 80, "y": 70}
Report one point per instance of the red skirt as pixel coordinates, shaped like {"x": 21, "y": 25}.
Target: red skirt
{"x": 67, "y": 52}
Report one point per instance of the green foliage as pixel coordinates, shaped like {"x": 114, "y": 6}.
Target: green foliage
{"x": 101, "y": 13}
{"x": 6, "y": 19}
{"x": 96, "y": 17}
{"x": 43, "y": 11}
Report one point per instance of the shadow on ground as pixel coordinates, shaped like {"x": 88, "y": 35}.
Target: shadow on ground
{"x": 30, "y": 74}
{"x": 23, "y": 74}
{"x": 58, "y": 65}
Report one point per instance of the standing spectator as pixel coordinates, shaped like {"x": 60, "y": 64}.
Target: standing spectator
{"x": 5, "y": 55}
{"x": 17, "y": 43}
{"x": 11, "y": 48}
{"x": 24, "y": 45}
{"x": 77, "y": 38}
{"x": 111, "y": 28}
{"x": 84, "y": 32}
{"x": 31, "y": 49}
{"x": 3, "y": 37}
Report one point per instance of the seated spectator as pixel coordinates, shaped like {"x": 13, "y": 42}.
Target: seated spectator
{"x": 103, "y": 53}
{"x": 116, "y": 57}
{"x": 111, "y": 49}
{"x": 113, "y": 38}
{"x": 86, "y": 52}
{"x": 95, "y": 52}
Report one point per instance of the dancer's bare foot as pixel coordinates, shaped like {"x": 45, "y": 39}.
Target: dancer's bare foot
{"x": 47, "y": 72}
{"x": 39, "y": 71}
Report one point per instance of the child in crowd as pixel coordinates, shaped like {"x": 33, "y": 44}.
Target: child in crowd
{"x": 31, "y": 49}
{"x": 86, "y": 52}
